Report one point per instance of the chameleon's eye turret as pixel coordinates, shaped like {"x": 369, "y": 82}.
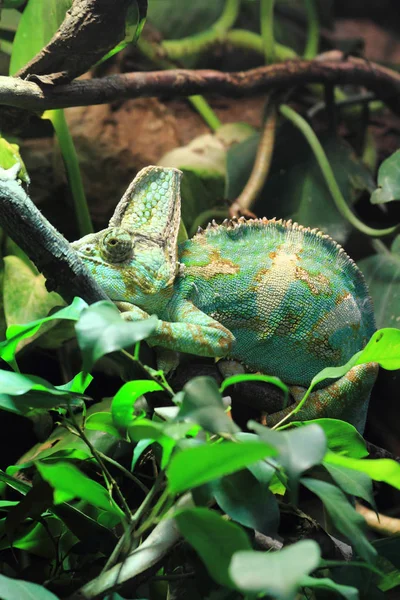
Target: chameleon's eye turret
{"x": 116, "y": 245}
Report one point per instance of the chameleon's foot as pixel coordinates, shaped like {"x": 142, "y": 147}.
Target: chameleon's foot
{"x": 167, "y": 360}
{"x": 346, "y": 399}
{"x": 228, "y": 368}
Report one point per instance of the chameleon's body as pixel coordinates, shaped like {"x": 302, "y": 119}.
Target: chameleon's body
{"x": 280, "y": 298}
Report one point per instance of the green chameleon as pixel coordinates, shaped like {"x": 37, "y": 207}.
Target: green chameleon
{"x": 278, "y": 297}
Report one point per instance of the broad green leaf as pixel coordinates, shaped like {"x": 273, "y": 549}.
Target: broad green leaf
{"x": 295, "y": 187}
{"x": 38, "y": 23}
{"x": 214, "y": 539}
{"x": 68, "y": 483}
{"x": 388, "y": 180}
{"x": 324, "y": 583}
{"x": 11, "y": 589}
{"x": 389, "y": 548}
{"x": 382, "y": 274}
{"x": 78, "y": 384}
{"x": 352, "y": 482}
{"x": 298, "y": 449}
{"x": 202, "y": 403}
{"x": 194, "y": 466}
{"x": 101, "y": 330}
{"x": 16, "y": 333}
{"x": 343, "y": 515}
{"x": 247, "y": 501}
{"x": 277, "y": 574}
{"x": 256, "y": 377}
{"x": 123, "y": 404}
{"x": 174, "y": 22}
{"x": 9, "y": 156}
{"x": 342, "y": 437}
{"x": 165, "y": 434}
{"x": 380, "y": 469}
{"x": 383, "y": 348}
{"x": 26, "y": 298}
{"x": 102, "y": 421}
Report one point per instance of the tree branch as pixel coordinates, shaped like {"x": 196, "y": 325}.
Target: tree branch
{"x": 45, "y": 246}
{"x": 183, "y": 82}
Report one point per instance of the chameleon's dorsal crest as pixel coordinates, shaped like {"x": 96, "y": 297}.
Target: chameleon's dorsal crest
{"x": 151, "y": 208}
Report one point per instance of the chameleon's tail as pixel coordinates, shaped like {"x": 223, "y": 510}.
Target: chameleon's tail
{"x": 346, "y": 399}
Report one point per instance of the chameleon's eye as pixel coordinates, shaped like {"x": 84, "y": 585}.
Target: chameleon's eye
{"x": 116, "y": 245}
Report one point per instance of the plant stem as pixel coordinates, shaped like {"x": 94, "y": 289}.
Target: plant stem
{"x": 329, "y": 176}
{"x": 248, "y": 40}
{"x": 267, "y": 29}
{"x": 57, "y": 117}
{"x": 311, "y": 49}
{"x": 177, "y": 49}
{"x": 205, "y": 111}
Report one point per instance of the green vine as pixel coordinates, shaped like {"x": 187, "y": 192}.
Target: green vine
{"x": 267, "y": 29}
{"x": 312, "y": 44}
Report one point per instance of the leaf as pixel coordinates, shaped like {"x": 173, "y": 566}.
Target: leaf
{"x": 10, "y": 589}
{"x": 343, "y": 515}
{"x": 214, "y": 539}
{"x": 173, "y": 22}
{"x": 388, "y": 180}
{"x": 298, "y": 449}
{"x": 68, "y": 483}
{"x": 38, "y": 23}
{"x": 202, "y": 404}
{"x": 101, "y": 330}
{"x": 102, "y": 421}
{"x": 343, "y": 438}
{"x": 16, "y": 333}
{"x": 383, "y": 348}
{"x": 247, "y": 501}
{"x": 381, "y": 469}
{"x": 277, "y": 574}
{"x": 352, "y": 482}
{"x": 9, "y": 156}
{"x": 389, "y": 548}
{"x": 26, "y": 298}
{"x": 382, "y": 274}
{"x": 123, "y": 404}
{"x": 295, "y": 186}
{"x": 324, "y": 583}
{"x": 194, "y": 466}
{"x": 256, "y": 377}
{"x": 134, "y": 23}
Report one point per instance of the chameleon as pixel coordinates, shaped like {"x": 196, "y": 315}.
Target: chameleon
{"x": 280, "y": 298}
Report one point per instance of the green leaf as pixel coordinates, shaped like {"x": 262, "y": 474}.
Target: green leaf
{"x": 135, "y": 20}
{"x": 382, "y": 274}
{"x": 383, "y": 348}
{"x": 381, "y": 469}
{"x": 26, "y": 298}
{"x": 174, "y": 22}
{"x": 38, "y": 23}
{"x": 277, "y": 574}
{"x": 343, "y": 515}
{"x": 101, "y": 330}
{"x": 9, "y": 156}
{"x": 10, "y": 589}
{"x": 68, "y": 483}
{"x": 214, "y": 539}
{"x": 16, "y": 333}
{"x": 352, "y": 482}
{"x": 342, "y": 437}
{"x": 102, "y": 421}
{"x": 256, "y": 377}
{"x": 299, "y": 449}
{"x": 324, "y": 583}
{"x": 247, "y": 501}
{"x": 202, "y": 403}
{"x": 194, "y": 466}
{"x": 123, "y": 404}
{"x": 389, "y": 548}
{"x": 388, "y": 180}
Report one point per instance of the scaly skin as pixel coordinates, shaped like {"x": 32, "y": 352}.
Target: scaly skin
{"x": 278, "y": 297}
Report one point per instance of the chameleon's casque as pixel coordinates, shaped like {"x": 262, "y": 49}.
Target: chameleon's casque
{"x": 279, "y": 297}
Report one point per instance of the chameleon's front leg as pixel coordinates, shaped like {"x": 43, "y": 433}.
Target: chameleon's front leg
{"x": 346, "y": 399}
{"x": 190, "y": 330}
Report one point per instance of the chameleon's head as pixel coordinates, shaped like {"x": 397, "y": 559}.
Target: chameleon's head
{"x": 136, "y": 256}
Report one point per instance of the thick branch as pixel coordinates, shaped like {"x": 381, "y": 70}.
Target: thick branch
{"x": 90, "y": 29}
{"x": 44, "y": 245}
{"x": 182, "y": 82}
